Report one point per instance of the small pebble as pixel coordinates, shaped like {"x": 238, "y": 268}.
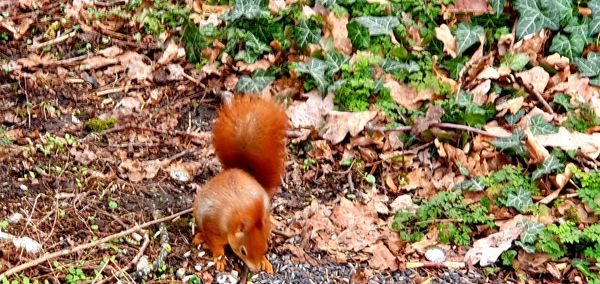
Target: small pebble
{"x": 23, "y": 187}
{"x": 180, "y": 273}
{"x": 198, "y": 267}
{"x": 187, "y": 254}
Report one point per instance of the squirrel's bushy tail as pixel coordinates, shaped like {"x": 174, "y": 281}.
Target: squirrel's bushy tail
{"x": 249, "y": 134}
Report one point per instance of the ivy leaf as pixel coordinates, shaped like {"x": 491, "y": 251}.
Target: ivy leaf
{"x": 571, "y": 47}
{"x": 532, "y": 230}
{"x": 335, "y": 61}
{"x": 378, "y": 25}
{"x": 253, "y": 85}
{"x": 516, "y": 61}
{"x": 359, "y": 35}
{"x": 550, "y": 164}
{"x": 513, "y": 141}
{"x": 588, "y": 67}
{"x": 306, "y": 35}
{"x": 249, "y": 9}
{"x": 464, "y": 99}
{"x": 514, "y": 118}
{"x": 519, "y": 199}
{"x": 498, "y": 6}
{"x": 316, "y": 69}
{"x": 594, "y": 26}
{"x": 581, "y": 30}
{"x": 534, "y": 16}
{"x": 474, "y": 184}
{"x": 467, "y": 36}
{"x": 393, "y": 66}
{"x": 564, "y": 101}
{"x": 539, "y": 126}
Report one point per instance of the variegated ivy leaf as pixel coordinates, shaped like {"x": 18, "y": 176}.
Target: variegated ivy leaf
{"x": 579, "y": 29}
{"x": 378, "y": 25}
{"x": 536, "y": 15}
{"x": 519, "y": 199}
{"x": 249, "y": 9}
{"x": 594, "y": 27}
{"x": 464, "y": 99}
{"x": 253, "y": 85}
{"x": 570, "y": 47}
{"x": 467, "y": 36}
{"x": 306, "y": 35}
{"x": 393, "y": 66}
{"x": 513, "y": 141}
{"x": 514, "y": 118}
{"x": 532, "y": 230}
{"x": 539, "y": 126}
{"x": 316, "y": 69}
{"x": 335, "y": 61}
{"x": 474, "y": 184}
{"x": 498, "y": 6}
{"x": 547, "y": 167}
{"x": 589, "y": 67}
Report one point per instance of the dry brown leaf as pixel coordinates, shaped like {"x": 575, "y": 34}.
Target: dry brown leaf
{"x": 588, "y": 144}
{"x": 537, "y": 152}
{"x": 580, "y": 91}
{"x": 512, "y": 105}
{"x": 486, "y": 251}
{"x": 557, "y": 61}
{"x": 137, "y": 69}
{"x": 405, "y": 95}
{"x": 339, "y": 124}
{"x": 480, "y": 92}
{"x": 276, "y": 5}
{"x": 171, "y": 53}
{"x": 476, "y": 7}
{"x": 339, "y": 32}
{"x": 382, "y": 259}
{"x": 404, "y": 203}
{"x": 533, "y": 45}
{"x": 309, "y": 114}
{"x": 444, "y": 34}
{"x": 535, "y": 77}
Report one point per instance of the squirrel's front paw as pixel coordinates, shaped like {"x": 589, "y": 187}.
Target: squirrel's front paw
{"x": 198, "y": 239}
{"x": 220, "y": 262}
{"x": 266, "y": 265}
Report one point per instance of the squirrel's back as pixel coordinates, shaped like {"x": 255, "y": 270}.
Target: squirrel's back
{"x": 249, "y": 134}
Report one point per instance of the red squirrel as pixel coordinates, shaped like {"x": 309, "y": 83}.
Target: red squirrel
{"x": 234, "y": 206}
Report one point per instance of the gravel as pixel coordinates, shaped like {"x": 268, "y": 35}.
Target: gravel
{"x": 287, "y": 271}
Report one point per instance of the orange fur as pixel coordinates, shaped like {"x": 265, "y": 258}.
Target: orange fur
{"x": 249, "y": 135}
{"x": 234, "y": 206}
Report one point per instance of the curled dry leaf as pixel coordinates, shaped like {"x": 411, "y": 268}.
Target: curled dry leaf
{"x": 533, "y": 45}
{"x": 171, "y": 53}
{"x": 588, "y": 144}
{"x": 444, "y": 34}
{"x": 339, "y": 124}
{"x": 404, "y": 203}
{"x": 537, "y": 152}
{"x": 137, "y": 171}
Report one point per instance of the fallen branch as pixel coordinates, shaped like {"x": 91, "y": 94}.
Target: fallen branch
{"x": 68, "y": 251}
{"x": 439, "y": 125}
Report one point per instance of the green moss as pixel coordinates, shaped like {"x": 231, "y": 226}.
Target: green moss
{"x": 98, "y": 125}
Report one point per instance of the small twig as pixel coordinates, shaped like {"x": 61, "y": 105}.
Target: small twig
{"x": 68, "y": 251}
{"x": 539, "y": 97}
{"x": 54, "y": 41}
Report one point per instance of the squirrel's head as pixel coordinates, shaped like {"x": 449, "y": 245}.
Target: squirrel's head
{"x": 250, "y": 241}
